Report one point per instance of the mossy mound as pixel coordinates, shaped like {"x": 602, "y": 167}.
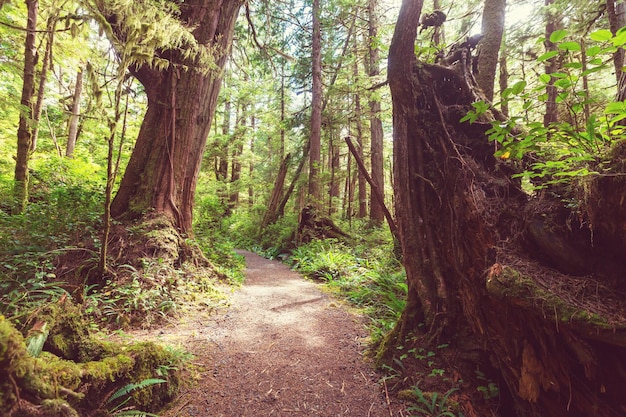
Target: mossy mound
{"x": 76, "y": 374}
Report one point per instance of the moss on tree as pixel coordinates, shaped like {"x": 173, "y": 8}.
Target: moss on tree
{"x": 77, "y": 372}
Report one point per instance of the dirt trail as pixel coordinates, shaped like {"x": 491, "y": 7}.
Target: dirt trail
{"x": 283, "y": 348}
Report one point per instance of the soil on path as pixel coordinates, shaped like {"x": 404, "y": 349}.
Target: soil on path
{"x": 282, "y": 348}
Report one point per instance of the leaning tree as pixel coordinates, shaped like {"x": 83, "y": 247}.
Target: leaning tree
{"x": 535, "y": 287}
{"x": 177, "y": 50}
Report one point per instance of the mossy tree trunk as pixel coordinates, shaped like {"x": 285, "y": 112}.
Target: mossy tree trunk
{"x": 469, "y": 253}
{"x": 25, "y": 127}
{"x": 163, "y": 170}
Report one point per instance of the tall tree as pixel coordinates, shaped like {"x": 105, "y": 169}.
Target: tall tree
{"x": 182, "y": 79}
{"x": 377, "y": 215}
{"x": 492, "y": 30}
{"x": 25, "y": 127}
{"x": 315, "y": 192}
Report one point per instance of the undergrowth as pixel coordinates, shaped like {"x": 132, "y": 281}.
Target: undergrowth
{"x": 369, "y": 277}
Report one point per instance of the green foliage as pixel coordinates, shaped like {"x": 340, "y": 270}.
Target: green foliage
{"x": 573, "y": 147}
{"x": 433, "y": 404}
{"x": 19, "y": 298}
{"x": 123, "y": 393}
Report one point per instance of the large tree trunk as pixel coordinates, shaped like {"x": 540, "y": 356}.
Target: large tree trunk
{"x": 163, "y": 170}
{"x": 24, "y": 130}
{"x": 487, "y": 266}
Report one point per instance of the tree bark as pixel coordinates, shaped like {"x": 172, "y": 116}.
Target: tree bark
{"x": 271, "y": 214}
{"x": 375, "y": 190}
{"x": 333, "y": 189}
{"x": 504, "y": 80}
{"x": 24, "y": 130}
{"x": 358, "y": 114}
{"x": 616, "y": 12}
{"x": 552, "y": 65}
{"x": 492, "y": 29}
{"x": 377, "y": 214}
{"x": 481, "y": 257}
{"x": 315, "y": 193}
{"x": 43, "y": 76}
{"x": 162, "y": 173}
{"x": 72, "y": 131}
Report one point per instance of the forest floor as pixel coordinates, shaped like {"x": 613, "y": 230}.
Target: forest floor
{"x": 283, "y": 347}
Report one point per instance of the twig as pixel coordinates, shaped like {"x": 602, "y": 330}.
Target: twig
{"x": 387, "y": 398}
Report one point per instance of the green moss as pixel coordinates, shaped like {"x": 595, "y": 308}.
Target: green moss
{"x": 51, "y": 383}
{"x": 58, "y": 408}
{"x": 510, "y": 283}
{"x": 69, "y": 336}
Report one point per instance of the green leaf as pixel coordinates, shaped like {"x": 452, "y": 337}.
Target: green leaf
{"x": 594, "y": 50}
{"x": 545, "y": 78}
{"x": 574, "y": 65}
{"x": 518, "y": 87}
{"x": 562, "y": 83}
{"x": 570, "y": 46}
{"x": 601, "y": 35}
{"x": 128, "y": 388}
{"x": 557, "y": 35}
{"x": 547, "y": 55}
{"x": 615, "y": 107}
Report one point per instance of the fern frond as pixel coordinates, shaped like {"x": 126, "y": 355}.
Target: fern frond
{"x": 128, "y": 388}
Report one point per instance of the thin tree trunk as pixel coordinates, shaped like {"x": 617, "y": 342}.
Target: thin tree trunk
{"x": 45, "y": 66}
{"x": 271, "y": 214}
{"x": 377, "y": 214}
{"x": 292, "y": 185}
{"x": 72, "y": 131}
{"x": 358, "y": 114}
{"x": 221, "y": 163}
{"x": 235, "y": 159}
{"x": 375, "y": 190}
{"x": 334, "y": 174}
{"x": 24, "y": 130}
{"x": 112, "y": 168}
{"x": 251, "y": 163}
{"x": 492, "y": 30}
{"x": 504, "y": 79}
{"x": 552, "y": 65}
{"x": 316, "y": 112}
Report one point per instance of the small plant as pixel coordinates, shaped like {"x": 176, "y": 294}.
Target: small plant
{"x": 123, "y": 394}
{"x": 432, "y": 404}
{"x": 490, "y": 390}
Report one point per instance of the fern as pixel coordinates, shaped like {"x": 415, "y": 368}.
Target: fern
{"x": 128, "y": 388}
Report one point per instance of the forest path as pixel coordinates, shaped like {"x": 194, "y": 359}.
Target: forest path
{"x": 282, "y": 348}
